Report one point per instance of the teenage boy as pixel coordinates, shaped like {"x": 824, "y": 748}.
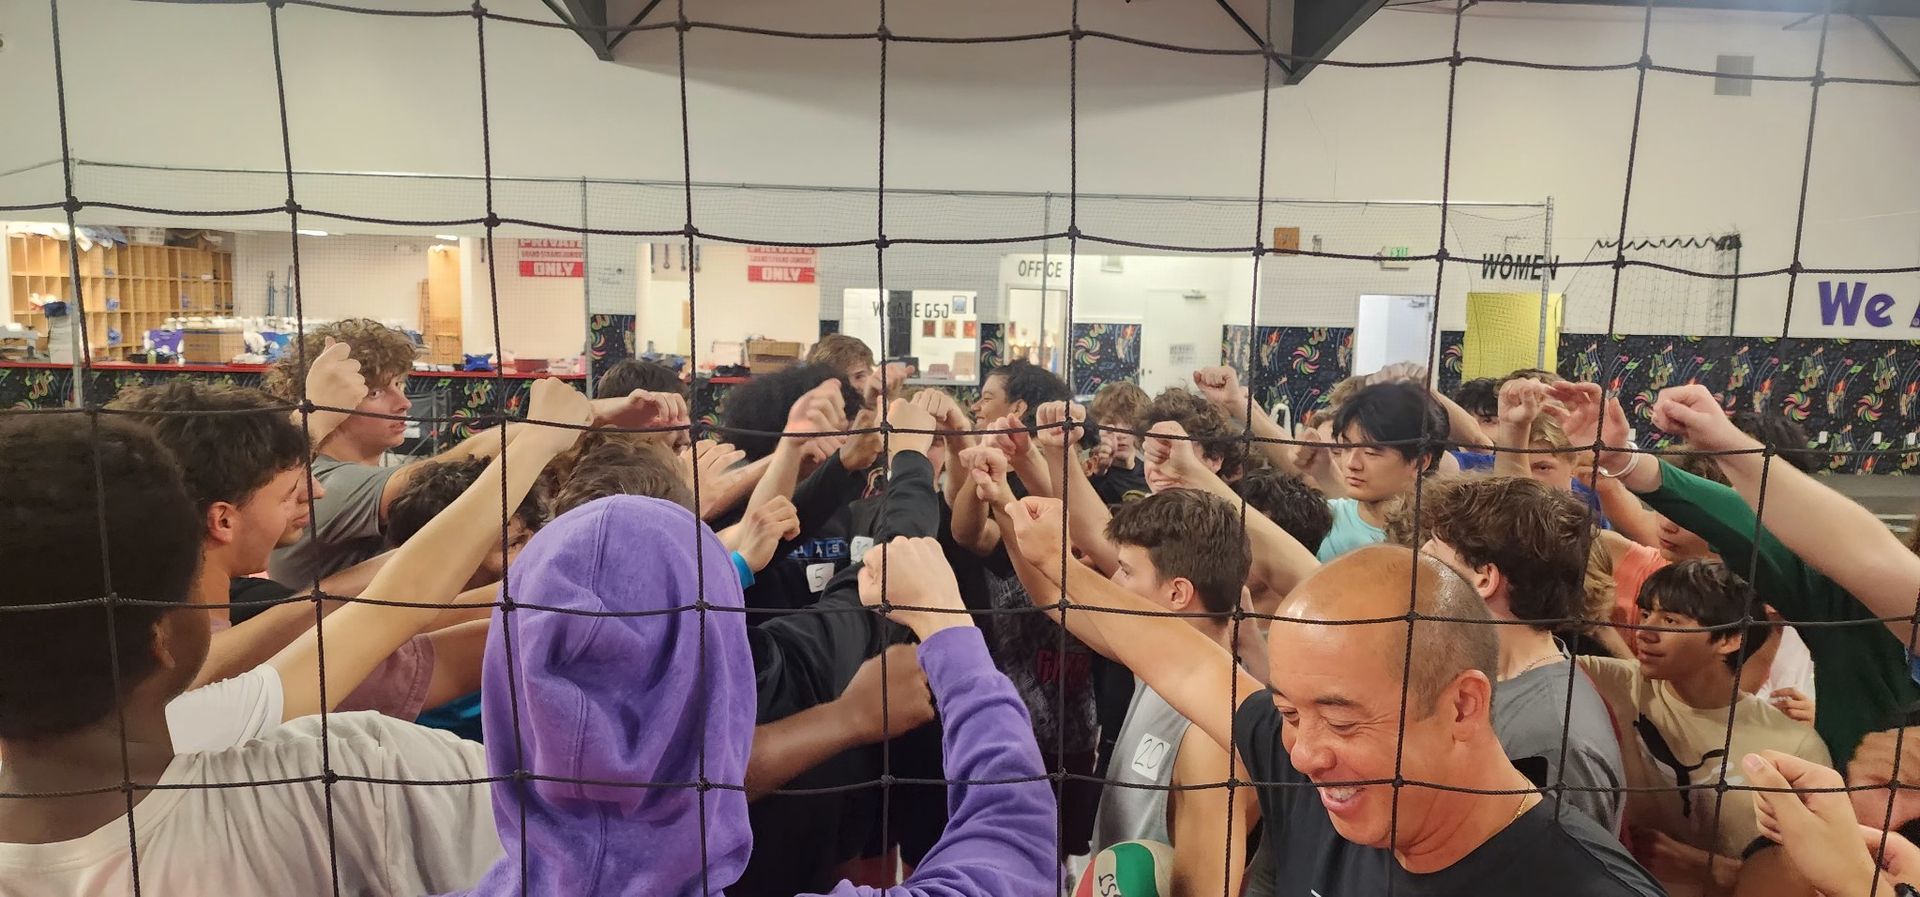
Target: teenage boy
{"x": 350, "y": 520}
{"x": 1863, "y": 572}
{"x": 1523, "y": 548}
{"x": 1117, "y": 410}
{"x": 1686, "y": 724}
{"x": 1186, "y": 552}
{"x": 96, "y": 508}
{"x": 1380, "y": 450}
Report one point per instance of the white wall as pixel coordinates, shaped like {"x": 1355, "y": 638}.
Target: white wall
{"x": 399, "y": 94}
{"x": 540, "y": 317}
{"x": 341, "y": 276}
{"x": 729, "y": 307}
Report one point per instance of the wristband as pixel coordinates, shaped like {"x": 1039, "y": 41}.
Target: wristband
{"x": 745, "y": 570}
{"x": 1614, "y": 475}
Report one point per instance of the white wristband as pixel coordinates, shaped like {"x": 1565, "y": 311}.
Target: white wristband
{"x": 1612, "y": 475}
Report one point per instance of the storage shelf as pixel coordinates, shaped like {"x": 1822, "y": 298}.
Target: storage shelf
{"x": 128, "y": 290}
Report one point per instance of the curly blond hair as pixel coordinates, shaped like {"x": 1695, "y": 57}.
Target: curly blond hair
{"x": 384, "y": 353}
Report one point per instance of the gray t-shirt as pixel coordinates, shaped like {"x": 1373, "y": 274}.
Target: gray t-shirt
{"x": 346, "y": 524}
{"x": 1530, "y": 712}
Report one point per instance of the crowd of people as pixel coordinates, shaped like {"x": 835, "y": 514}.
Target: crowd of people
{"x": 861, "y": 636}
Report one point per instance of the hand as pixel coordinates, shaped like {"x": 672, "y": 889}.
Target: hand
{"x": 907, "y": 705}
{"x": 821, "y": 410}
{"x": 333, "y": 378}
{"x": 1221, "y": 387}
{"x": 1059, "y": 424}
{"x": 1817, "y": 827}
{"x": 862, "y": 449}
{"x": 1100, "y": 459}
{"x": 1408, "y": 371}
{"x": 894, "y": 375}
{"x": 765, "y": 527}
{"x": 1013, "y": 438}
{"x": 712, "y": 466}
{"x": 903, "y": 416}
{"x": 641, "y": 410}
{"x": 1585, "y": 420}
{"x": 1038, "y": 525}
{"x": 1172, "y": 456}
{"x": 1523, "y": 400}
{"x": 912, "y": 576}
{"x": 552, "y": 401}
{"x": 946, "y": 412}
{"x": 1692, "y": 414}
{"x": 987, "y": 467}
{"x": 1795, "y": 705}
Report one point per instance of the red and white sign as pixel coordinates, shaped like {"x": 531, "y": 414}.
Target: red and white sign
{"x": 552, "y": 258}
{"x": 781, "y": 264}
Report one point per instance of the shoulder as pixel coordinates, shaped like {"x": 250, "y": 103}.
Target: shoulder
{"x": 374, "y": 741}
{"x": 1591, "y": 861}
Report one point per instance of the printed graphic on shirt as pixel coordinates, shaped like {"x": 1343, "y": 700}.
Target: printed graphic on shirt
{"x": 1150, "y": 756}
{"x": 817, "y": 577}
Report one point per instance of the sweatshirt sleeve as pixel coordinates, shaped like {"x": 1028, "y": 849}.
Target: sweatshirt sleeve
{"x": 1720, "y": 516}
{"x": 999, "y": 840}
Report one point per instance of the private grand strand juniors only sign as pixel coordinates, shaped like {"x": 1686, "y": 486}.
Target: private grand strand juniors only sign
{"x": 780, "y": 264}
{"x": 551, "y": 258}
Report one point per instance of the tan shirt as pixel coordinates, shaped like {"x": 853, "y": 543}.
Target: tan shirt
{"x": 1665, "y": 743}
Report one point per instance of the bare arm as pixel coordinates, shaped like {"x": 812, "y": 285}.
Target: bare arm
{"x": 457, "y": 654}
{"x": 249, "y": 644}
{"x": 788, "y": 747}
{"x": 1279, "y": 560}
{"x": 1521, "y": 401}
{"x": 429, "y": 569}
{"x": 1222, "y": 389}
{"x": 1629, "y": 517}
{"x": 1204, "y": 832}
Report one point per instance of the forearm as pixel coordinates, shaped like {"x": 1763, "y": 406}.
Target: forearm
{"x": 1043, "y": 589}
{"x": 1838, "y": 535}
{"x": 788, "y": 747}
{"x": 1624, "y": 510}
{"x": 457, "y": 655}
{"x": 1279, "y": 560}
{"x": 1462, "y": 428}
{"x": 1265, "y": 429}
{"x": 998, "y": 840}
{"x": 319, "y": 425}
{"x": 1506, "y": 437}
{"x": 1087, "y": 518}
{"x": 1186, "y": 668}
{"x": 782, "y": 474}
{"x": 973, "y": 524}
{"x": 472, "y": 604}
{"x": 1039, "y": 473}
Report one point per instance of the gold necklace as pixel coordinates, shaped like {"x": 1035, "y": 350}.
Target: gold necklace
{"x": 1520, "y": 810}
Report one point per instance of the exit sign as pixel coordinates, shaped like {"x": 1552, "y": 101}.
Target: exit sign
{"x": 1395, "y": 258}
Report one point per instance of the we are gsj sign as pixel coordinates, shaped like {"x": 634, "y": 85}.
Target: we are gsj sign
{"x": 552, "y": 258}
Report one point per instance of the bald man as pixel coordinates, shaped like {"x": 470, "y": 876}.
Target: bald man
{"x": 1353, "y": 706}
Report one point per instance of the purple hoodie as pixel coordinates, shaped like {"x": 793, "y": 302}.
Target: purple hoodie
{"x": 631, "y": 699}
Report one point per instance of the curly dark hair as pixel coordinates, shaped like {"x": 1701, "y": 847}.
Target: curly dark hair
{"x": 69, "y": 485}
{"x": 385, "y": 354}
{"x": 237, "y": 441}
{"x": 1480, "y": 398}
{"x": 1024, "y": 381}
{"x": 1289, "y": 502}
{"x": 1212, "y": 434}
{"x": 1785, "y": 435}
{"x": 436, "y": 486}
{"x": 1535, "y": 535}
{"x": 759, "y": 408}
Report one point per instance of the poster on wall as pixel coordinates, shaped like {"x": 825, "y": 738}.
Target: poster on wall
{"x": 781, "y": 264}
{"x": 938, "y": 328}
{"x": 551, "y": 258}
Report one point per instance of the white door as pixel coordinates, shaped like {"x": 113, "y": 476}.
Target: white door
{"x": 1180, "y": 334}
{"x": 1392, "y": 329}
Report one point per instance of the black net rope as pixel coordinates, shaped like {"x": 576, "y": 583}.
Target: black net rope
{"x": 1269, "y": 56}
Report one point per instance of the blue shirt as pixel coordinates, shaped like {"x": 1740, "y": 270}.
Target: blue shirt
{"x": 1349, "y": 530}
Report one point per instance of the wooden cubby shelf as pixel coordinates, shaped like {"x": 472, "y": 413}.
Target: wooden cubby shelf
{"x": 128, "y": 290}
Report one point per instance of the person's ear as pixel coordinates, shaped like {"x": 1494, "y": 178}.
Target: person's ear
{"x": 1181, "y": 595}
{"x": 1018, "y": 408}
{"x": 222, "y": 523}
{"x": 1470, "y": 701}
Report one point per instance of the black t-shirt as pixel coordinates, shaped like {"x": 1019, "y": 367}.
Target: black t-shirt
{"x": 1537, "y": 854}
{"x": 1119, "y": 485}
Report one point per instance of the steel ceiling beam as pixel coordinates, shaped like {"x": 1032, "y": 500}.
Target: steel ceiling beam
{"x": 587, "y": 18}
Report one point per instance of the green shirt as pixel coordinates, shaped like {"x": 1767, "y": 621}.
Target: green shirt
{"x": 1861, "y": 669}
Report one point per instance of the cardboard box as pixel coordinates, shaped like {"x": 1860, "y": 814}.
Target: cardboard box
{"x": 768, "y": 356}
{"x": 211, "y": 346}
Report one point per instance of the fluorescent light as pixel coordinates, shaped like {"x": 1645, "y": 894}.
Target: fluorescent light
{"x": 447, "y": 237}
{"x": 313, "y": 233}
